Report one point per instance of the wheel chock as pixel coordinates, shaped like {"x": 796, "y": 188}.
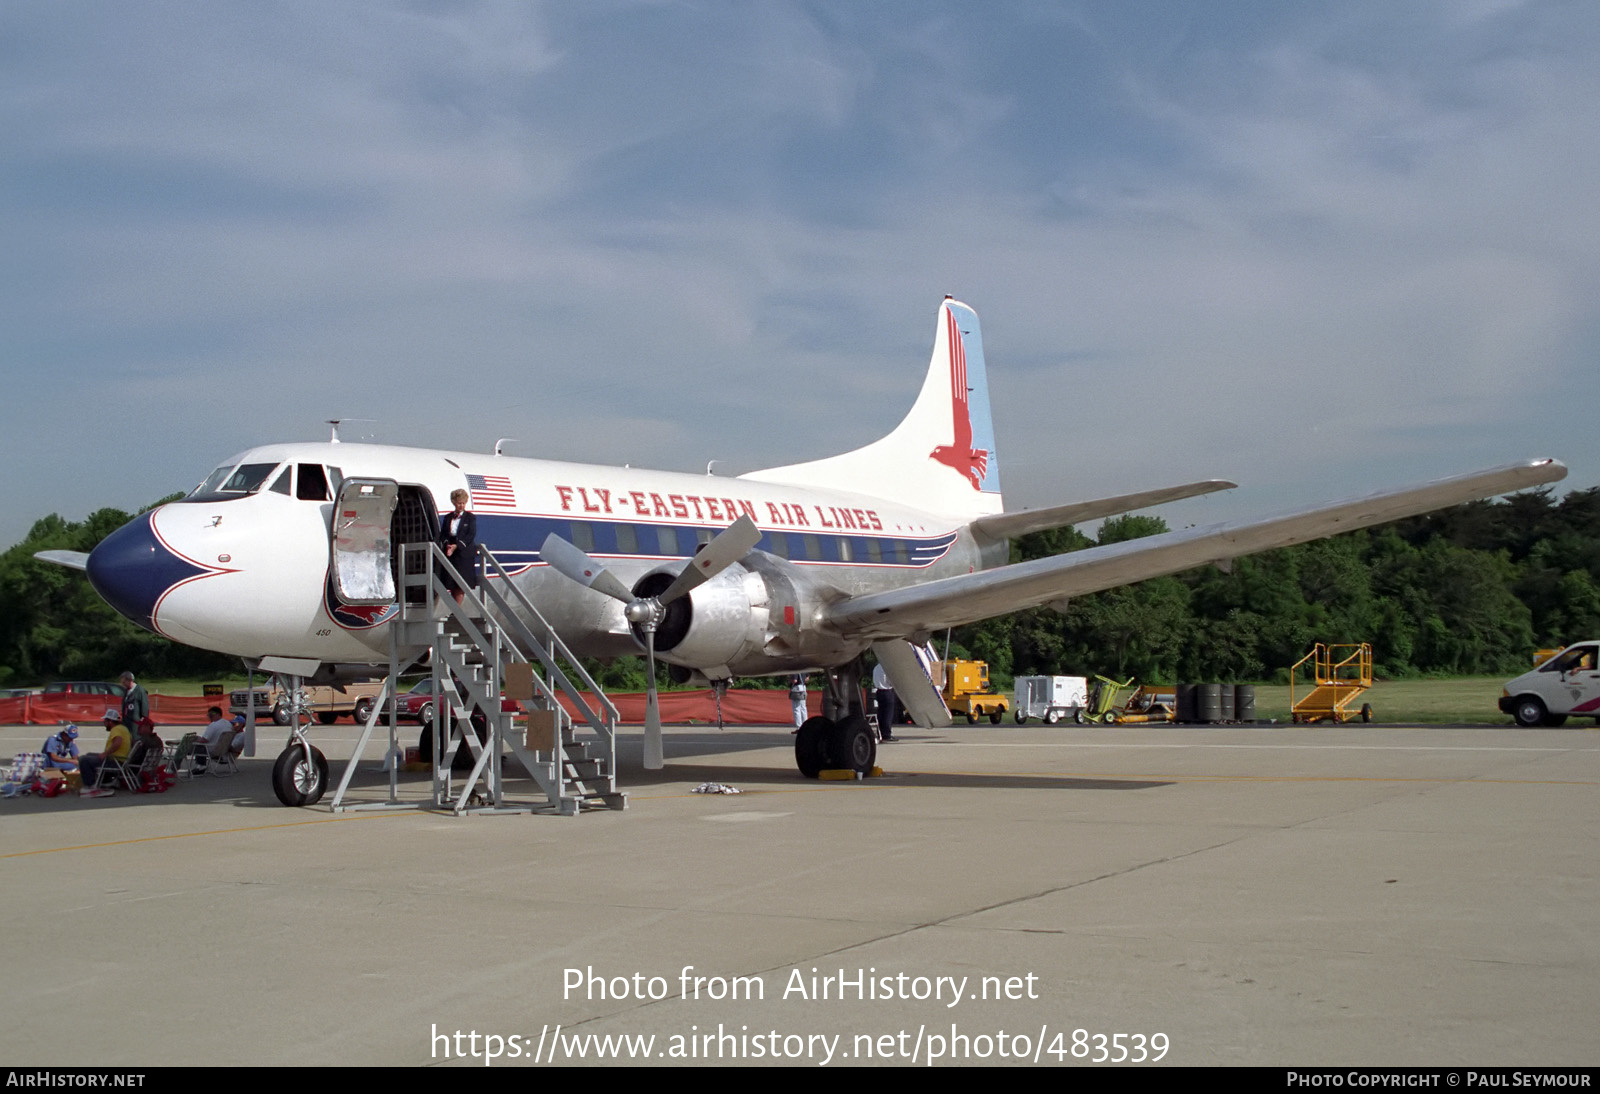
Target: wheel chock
{"x": 848, "y": 774}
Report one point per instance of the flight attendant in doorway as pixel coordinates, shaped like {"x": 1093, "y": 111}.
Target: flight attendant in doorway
{"x": 458, "y": 535}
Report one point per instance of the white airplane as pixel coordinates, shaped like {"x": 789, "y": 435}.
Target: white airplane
{"x": 803, "y": 567}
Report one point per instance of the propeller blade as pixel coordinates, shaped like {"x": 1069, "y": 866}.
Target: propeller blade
{"x": 727, "y": 547}
{"x": 570, "y": 561}
{"x": 654, "y": 758}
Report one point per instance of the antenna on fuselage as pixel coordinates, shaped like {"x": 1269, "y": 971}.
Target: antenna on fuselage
{"x": 501, "y": 443}
{"x": 335, "y": 423}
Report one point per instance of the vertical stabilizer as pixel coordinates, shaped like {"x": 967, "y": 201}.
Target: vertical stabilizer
{"x": 941, "y": 458}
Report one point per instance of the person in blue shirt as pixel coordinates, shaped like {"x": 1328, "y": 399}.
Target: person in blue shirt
{"x": 61, "y": 749}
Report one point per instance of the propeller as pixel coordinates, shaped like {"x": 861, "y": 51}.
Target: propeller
{"x": 646, "y": 612}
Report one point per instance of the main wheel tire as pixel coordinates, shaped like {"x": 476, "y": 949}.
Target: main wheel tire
{"x": 851, "y": 745}
{"x": 362, "y": 711}
{"x": 1530, "y": 711}
{"x": 281, "y": 714}
{"x": 327, "y": 717}
{"x": 1019, "y": 717}
{"x": 1081, "y": 718}
{"x": 995, "y": 715}
{"x": 811, "y": 745}
{"x": 972, "y": 718}
{"x": 1051, "y": 717}
{"x": 297, "y": 780}
{"x": 425, "y": 744}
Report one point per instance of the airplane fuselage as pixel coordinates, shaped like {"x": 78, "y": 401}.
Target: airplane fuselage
{"x": 246, "y": 572}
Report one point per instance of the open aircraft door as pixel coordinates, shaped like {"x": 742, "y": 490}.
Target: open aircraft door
{"x": 363, "y": 569}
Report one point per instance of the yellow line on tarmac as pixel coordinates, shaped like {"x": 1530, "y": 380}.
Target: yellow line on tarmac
{"x": 211, "y": 832}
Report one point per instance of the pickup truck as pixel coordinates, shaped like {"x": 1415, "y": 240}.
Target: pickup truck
{"x": 1565, "y": 684}
{"x": 327, "y": 704}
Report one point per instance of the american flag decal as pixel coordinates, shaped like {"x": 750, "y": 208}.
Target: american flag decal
{"x": 491, "y": 492}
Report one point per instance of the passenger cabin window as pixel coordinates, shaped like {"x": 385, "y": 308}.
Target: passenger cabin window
{"x": 582, "y": 536}
{"x": 667, "y": 539}
{"x": 311, "y": 484}
{"x": 627, "y": 541}
{"x": 780, "y": 544}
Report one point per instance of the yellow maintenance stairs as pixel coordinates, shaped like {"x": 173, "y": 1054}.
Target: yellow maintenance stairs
{"x": 1343, "y": 673}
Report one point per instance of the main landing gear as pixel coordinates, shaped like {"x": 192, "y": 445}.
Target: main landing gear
{"x": 839, "y": 739}
{"x": 823, "y": 744}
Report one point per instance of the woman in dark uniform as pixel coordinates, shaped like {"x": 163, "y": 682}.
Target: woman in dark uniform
{"x": 458, "y": 535}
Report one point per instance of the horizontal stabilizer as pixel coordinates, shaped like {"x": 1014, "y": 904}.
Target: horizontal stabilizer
{"x": 952, "y": 601}
{"x": 1025, "y": 521}
{"x": 73, "y": 560}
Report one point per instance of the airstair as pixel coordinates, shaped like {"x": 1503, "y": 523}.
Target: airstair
{"x": 1343, "y": 673}
{"x": 497, "y": 669}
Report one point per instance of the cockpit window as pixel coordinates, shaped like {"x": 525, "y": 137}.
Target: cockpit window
{"x": 312, "y": 485}
{"x": 247, "y": 478}
{"x": 232, "y": 482}
{"x": 213, "y": 481}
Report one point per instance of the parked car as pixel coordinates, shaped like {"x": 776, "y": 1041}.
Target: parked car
{"x": 84, "y": 687}
{"x": 416, "y": 705}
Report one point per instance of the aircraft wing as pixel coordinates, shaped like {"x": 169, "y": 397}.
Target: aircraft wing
{"x": 1023, "y": 521}
{"x": 75, "y": 560}
{"x": 965, "y": 598}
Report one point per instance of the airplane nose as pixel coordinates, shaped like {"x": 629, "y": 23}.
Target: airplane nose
{"x": 133, "y": 569}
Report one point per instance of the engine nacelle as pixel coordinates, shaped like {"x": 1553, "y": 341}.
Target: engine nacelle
{"x": 716, "y": 625}
{"x": 757, "y": 617}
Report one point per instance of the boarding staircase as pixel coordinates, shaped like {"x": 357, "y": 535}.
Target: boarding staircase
{"x": 497, "y": 668}
{"x": 1343, "y": 673}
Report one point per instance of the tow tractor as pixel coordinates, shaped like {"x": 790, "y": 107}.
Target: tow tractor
{"x": 966, "y": 691}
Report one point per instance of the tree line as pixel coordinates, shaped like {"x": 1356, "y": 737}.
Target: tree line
{"x": 1469, "y": 590}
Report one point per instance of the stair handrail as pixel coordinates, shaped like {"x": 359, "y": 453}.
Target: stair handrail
{"x": 605, "y": 725}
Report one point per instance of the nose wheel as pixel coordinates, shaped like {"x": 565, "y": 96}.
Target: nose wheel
{"x": 301, "y": 775}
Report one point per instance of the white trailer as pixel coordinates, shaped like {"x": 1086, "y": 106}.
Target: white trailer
{"x": 1049, "y": 698}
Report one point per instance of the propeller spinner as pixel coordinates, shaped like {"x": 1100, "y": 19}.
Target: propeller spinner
{"x": 646, "y": 612}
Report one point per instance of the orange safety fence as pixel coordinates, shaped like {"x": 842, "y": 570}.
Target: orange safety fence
{"x": 753, "y": 707}
{"x": 739, "y": 707}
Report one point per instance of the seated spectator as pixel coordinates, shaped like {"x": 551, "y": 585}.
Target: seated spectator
{"x": 219, "y": 730}
{"x": 61, "y": 749}
{"x": 118, "y": 744}
{"x": 146, "y": 740}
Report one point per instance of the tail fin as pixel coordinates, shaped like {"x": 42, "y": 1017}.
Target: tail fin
{"x": 941, "y": 458}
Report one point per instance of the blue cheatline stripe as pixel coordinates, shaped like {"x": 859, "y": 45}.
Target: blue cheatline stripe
{"x": 516, "y": 541}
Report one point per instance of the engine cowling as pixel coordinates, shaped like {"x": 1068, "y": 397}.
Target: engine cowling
{"x": 757, "y": 617}
{"x": 717, "y": 624}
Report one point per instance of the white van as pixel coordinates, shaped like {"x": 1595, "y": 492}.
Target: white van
{"x": 1568, "y": 683}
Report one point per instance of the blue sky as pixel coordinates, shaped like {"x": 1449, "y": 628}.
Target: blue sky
{"x": 1318, "y": 249}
